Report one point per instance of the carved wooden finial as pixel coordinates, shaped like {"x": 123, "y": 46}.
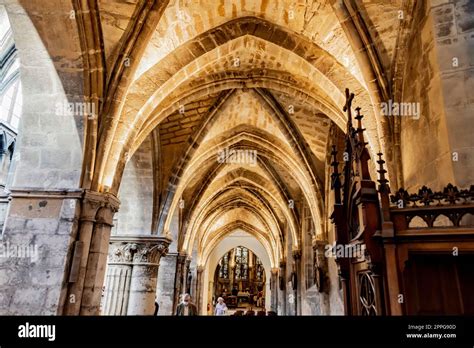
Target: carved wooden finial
{"x": 358, "y": 116}
{"x": 334, "y": 162}
{"x": 335, "y": 176}
{"x": 349, "y": 98}
{"x": 347, "y": 108}
{"x": 383, "y": 188}
{"x": 360, "y": 131}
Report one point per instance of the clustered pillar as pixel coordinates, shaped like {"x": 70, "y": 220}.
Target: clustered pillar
{"x": 274, "y": 289}
{"x": 181, "y": 278}
{"x": 295, "y": 280}
{"x": 89, "y": 254}
{"x": 282, "y": 287}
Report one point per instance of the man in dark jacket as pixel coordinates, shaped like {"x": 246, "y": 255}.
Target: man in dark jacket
{"x": 186, "y": 308}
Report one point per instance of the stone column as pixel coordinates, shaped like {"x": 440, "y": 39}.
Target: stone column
{"x": 117, "y": 284}
{"x": 146, "y": 260}
{"x": 166, "y": 286}
{"x": 296, "y": 281}
{"x": 199, "y": 287}
{"x": 274, "y": 289}
{"x": 210, "y": 293}
{"x": 97, "y": 261}
{"x": 321, "y": 274}
{"x": 282, "y": 300}
{"x": 180, "y": 279}
{"x": 187, "y": 277}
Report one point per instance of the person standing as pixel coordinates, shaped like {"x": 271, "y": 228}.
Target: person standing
{"x": 221, "y": 307}
{"x": 157, "y": 307}
{"x": 260, "y": 299}
{"x": 186, "y": 308}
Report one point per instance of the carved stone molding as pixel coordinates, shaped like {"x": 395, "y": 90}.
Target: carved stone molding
{"x": 150, "y": 252}
{"x": 121, "y": 253}
{"x": 100, "y": 207}
{"x": 137, "y": 249}
{"x": 320, "y": 265}
{"x": 47, "y": 194}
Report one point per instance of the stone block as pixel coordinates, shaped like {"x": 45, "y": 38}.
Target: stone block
{"x": 464, "y": 13}
{"x": 42, "y": 225}
{"x": 51, "y": 158}
{"x": 38, "y": 80}
{"x": 29, "y": 296}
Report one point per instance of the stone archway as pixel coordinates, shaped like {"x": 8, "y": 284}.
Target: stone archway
{"x": 230, "y": 241}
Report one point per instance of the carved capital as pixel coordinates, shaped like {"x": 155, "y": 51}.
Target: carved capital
{"x": 150, "y": 252}
{"x": 138, "y": 249}
{"x": 297, "y": 254}
{"x": 89, "y": 210}
{"x": 100, "y": 207}
{"x": 120, "y": 253}
{"x": 181, "y": 259}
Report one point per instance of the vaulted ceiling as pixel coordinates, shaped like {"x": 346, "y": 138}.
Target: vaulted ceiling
{"x": 255, "y": 76}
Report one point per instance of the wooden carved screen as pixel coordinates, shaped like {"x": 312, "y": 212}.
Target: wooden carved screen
{"x": 414, "y": 256}
{"x": 357, "y": 219}
{"x": 432, "y": 237}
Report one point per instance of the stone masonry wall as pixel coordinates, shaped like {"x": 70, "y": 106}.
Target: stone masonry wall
{"x": 438, "y": 147}
{"x": 454, "y": 45}
{"x": 42, "y": 216}
{"x": 136, "y": 194}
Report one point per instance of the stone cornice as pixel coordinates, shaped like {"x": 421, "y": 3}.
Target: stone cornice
{"x": 138, "y": 239}
{"x": 49, "y": 194}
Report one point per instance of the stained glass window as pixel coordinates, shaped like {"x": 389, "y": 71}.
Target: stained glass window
{"x": 241, "y": 263}
{"x": 259, "y": 270}
{"x": 224, "y": 270}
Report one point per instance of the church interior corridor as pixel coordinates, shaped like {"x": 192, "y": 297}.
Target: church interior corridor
{"x": 285, "y": 157}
